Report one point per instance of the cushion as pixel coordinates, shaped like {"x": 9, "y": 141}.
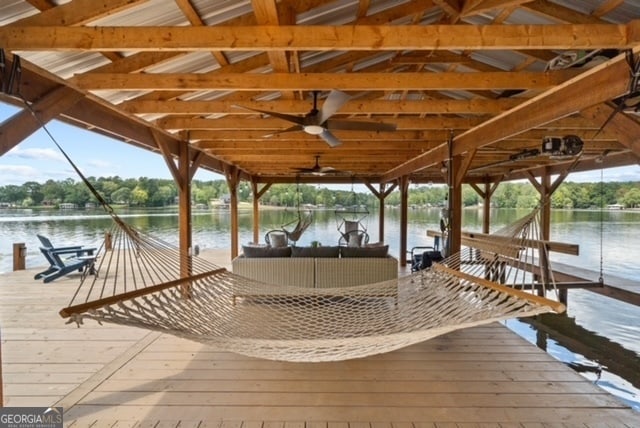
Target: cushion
{"x": 351, "y": 226}
{"x": 316, "y": 252}
{"x": 355, "y": 239}
{"x": 378, "y": 251}
{"x": 254, "y": 251}
{"x": 278, "y": 239}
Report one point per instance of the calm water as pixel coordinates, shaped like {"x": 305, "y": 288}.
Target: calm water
{"x": 596, "y": 317}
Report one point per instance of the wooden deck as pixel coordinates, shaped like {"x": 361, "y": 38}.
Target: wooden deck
{"x": 115, "y": 376}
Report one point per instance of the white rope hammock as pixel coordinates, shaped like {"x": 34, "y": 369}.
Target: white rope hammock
{"x": 147, "y": 283}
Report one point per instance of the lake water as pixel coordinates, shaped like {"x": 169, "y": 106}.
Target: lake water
{"x": 599, "y": 318}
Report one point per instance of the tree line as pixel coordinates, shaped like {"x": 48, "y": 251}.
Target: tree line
{"x": 154, "y": 192}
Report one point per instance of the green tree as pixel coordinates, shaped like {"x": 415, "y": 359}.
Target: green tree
{"x": 34, "y": 190}
{"x": 632, "y": 198}
{"x": 122, "y": 196}
{"x": 139, "y": 196}
{"x": 469, "y": 196}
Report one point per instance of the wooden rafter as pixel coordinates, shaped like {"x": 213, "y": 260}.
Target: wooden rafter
{"x": 321, "y": 38}
{"x": 324, "y": 81}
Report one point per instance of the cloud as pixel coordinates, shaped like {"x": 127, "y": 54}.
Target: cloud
{"x": 18, "y": 174}
{"x": 36, "y": 154}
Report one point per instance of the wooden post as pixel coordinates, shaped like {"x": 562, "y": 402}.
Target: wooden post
{"x": 233, "y": 179}
{"x": 257, "y": 194}
{"x": 485, "y": 194}
{"x": 455, "y": 215}
{"x": 108, "y": 241}
{"x": 256, "y": 212}
{"x": 381, "y": 194}
{"x": 182, "y": 175}
{"x": 404, "y": 218}
{"x": 546, "y": 189}
{"x": 184, "y": 216}
{"x": 381, "y": 214}
{"x": 19, "y": 256}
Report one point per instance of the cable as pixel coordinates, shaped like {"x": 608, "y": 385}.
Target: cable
{"x": 601, "y": 278}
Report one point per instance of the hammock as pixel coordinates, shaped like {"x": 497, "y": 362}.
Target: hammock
{"x": 148, "y": 283}
{"x": 145, "y": 282}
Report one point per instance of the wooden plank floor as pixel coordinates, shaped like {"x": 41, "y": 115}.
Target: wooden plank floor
{"x": 115, "y": 376}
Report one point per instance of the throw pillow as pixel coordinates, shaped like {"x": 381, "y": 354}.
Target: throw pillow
{"x": 253, "y": 251}
{"x": 317, "y": 252}
{"x": 355, "y": 239}
{"x": 379, "y": 251}
{"x": 278, "y": 239}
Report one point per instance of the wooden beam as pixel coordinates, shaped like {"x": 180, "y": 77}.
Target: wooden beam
{"x": 77, "y": 12}
{"x": 555, "y": 246}
{"x": 257, "y": 138}
{"x": 242, "y": 123}
{"x": 323, "y": 81}
{"x": 606, "y": 6}
{"x": 623, "y": 126}
{"x": 320, "y": 148}
{"x": 321, "y": 38}
{"x": 560, "y": 13}
{"x": 266, "y": 12}
{"x": 22, "y": 124}
{"x": 432, "y": 57}
{"x": 473, "y": 106}
{"x": 475, "y": 8}
{"x": 597, "y": 85}
{"x": 168, "y": 158}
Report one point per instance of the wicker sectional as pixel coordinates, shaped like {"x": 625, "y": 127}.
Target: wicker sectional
{"x": 317, "y": 272}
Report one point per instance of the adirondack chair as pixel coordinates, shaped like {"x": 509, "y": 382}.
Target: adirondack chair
{"x": 77, "y": 258}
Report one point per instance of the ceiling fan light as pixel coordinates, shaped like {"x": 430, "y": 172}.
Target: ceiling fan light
{"x": 313, "y": 129}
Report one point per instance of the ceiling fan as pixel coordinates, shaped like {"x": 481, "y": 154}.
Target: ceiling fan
{"x": 318, "y": 121}
{"x": 316, "y": 169}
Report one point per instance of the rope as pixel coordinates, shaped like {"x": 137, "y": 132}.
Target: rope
{"x": 601, "y": 277}
{"x": 233, "y": 313}
{"x": 141, "y": 282}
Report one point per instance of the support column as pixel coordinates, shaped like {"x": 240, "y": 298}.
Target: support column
{"x": 183, "y": 173}
{"x": 457, "y": 169}
{"x": 184, "y": 197}
{"x": 257, "y": 194}
{"x": 233, "y": 179}
{"x": 404, "y": 218}
{"x": 381, "y": 194}
{"x": 454, "y": 241}
{"x": 546, "y": 189}
{"x": 486, "y": 194}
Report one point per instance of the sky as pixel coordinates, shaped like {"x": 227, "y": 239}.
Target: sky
{"x": 38, "y": 159}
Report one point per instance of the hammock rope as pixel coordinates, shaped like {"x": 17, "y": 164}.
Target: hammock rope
{"x": 140, "y": 283}
{"x": 146, "y": 282}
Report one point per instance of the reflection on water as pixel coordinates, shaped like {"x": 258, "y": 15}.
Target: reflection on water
{"x": 620, "y": 231}
{"x": 599, "y": 359}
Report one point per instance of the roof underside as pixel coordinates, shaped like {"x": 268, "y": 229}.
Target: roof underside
{"x": 479, "y": 81}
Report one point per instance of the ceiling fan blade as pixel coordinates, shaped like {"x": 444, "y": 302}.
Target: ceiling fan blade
{"x": 330, "y": 139}
{"x": 355, "y": 125}
{"x": 335, "y": 100}
{"x": 288, "y": 117}
{"x": 284, "y": 131}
